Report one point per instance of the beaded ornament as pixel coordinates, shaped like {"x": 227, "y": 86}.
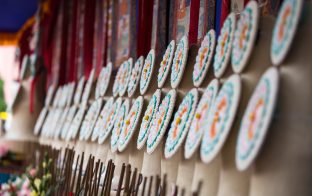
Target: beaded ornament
{"x": 135, "y": 76}
{"x": 147, "y": 71}
{"x": 165, "y": 64}
{"x": 125, "y": 76}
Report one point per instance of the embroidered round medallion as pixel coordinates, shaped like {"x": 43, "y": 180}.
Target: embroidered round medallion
{"x": 124, "y": 76}
{"x": 122, "y": 112}
{"x": 245, "y": 36}
{"x": 88, "y": 87}
{"x": 103, "y": 80}
{"x": 70, "y": 95}
{"x": 149, "y": 115}
{"x": 74, "y": 127}
{"x": 256, "y": 119}
{"x": 109, "y": 120}
{"x": 181, "y": 123}
{"x": 135, "y": 76}
{"x": 40, "y": 120}
{"x": 285, "y": 29}
{"x": 161, "y": 121}
{"x": 165, "y": 64}
{"x": 179, "y": 62}
{"x": 49, "y": 96}
{"x": 220, "y": 118}
{"x": 201, "y": 115}
{"x": 130, "y": 124}
{"x": 68, "y": 121}
{"x": 79, "y": 90}
{"x": 147, "y": 71}
{"x": 204, "y": 58}
{"x": 224, "y": 46}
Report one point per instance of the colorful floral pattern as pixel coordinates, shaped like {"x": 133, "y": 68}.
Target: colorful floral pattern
{"x": 245, "y": 36}
{"x": 197, "y": 128}
{"x": 135, "y": 76}
{"x": 122, "y": 112}
{"x": 256, "y": 120}
{"x": 181, "y": 123}
{"x": 165, "y": 64}
{"x": 285, "y": 29}
{"x": 204, "y": 58}
{"x": 124, "y": 76}
{"x": 148, "y": 117}
{"x": 224, "y": 47}
{"x": 179, "y": 62}
{"x": 147, "y": 71}
{"x": 103, "y": 80}
{"x": 130, "y": 124}
{"x": 220, "y": 118}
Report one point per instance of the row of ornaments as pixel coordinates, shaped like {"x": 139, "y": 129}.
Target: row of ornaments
{"x": 210, "y": 123}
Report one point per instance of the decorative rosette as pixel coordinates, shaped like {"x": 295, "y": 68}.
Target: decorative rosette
{"x": 285, "y": 29}
{"x": 204, "y": 57}
{"x": 181, "y": 123}
{"x": 245, "y": 36}
{"x": 71, "y": 91}
{"x": 79, "y": 90}
{"x": 224, "y": 46}
{"x": 88, "y": 87}
{"x": 148, "y": 117}
{"x": 74, "y": 128}
{"x": 256, "y": 119}
{"x": 201, "y": 115}
{"x": 125, "y": 76}
{"x": 122, "y": 112}
{"x": 130, "y": 124}
{"x": 135, "y": 76}
{"x": 86, "y": 127}
{"x": 161, "y": 121}
{"x": 101, "y": 118}
{"x": 68, "y": 121}
{"x": 179, "y": 62}
{"x": 116, "y": 85}
{"x": 57, "y": 97}
{"x": 63, "y": 97}
{"x": 165, "y": 64}
{"x": 103, "y": 80}
{"x": 49, "y": 96}
{"x": 60, "y": 123}
{"x": 40, "y": 120}
{"x": 47, "y": 122}
{"x": 220, "y": 118}
{"x": 109, "y": 120}
{"x": 56, "y": 117}
{"x": 147, "y": 72}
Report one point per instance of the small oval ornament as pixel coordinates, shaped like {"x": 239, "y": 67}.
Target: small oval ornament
{"x": 147, "y": 71}
{"x": 165, "y": 64}
{"x": 135, "y": 76}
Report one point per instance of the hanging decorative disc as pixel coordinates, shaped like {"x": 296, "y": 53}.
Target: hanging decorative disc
{"x": 147, "y": 71}
{"x": 130, "y": 124}
{"x": 74, "y": 128}
{"x": 79, "y": 90}
{"x": 256, "y": 119}
{"x": 200, "y": 119}
{"x": 149, "y": 115}
{"x": 60, "y": 123}
{"x": 285, "y": 29}
{"x": 204, "y": 58}
{"x": 179, "y": 62}
{"x": 88, "y": 87}
{"x": 68, "y": 121}
{"x": 49, "y": 96}
{"x": 40, "y": 120}
{"x": 125, "y": 76}
{"x": 221, "y": 118}
{"x": 103, "y": 80}
{"x": 165, "y": 64}
{"x": 71, "y": 92}
{"x": 245, "y": 36}
{"x": 135, "y": 76}
{"x": 224, "y": 47}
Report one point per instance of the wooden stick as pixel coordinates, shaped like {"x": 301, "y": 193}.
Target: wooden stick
{"x": 121, "y": 179}
{"x": 144, "y": 184}
{"x": 127, "y": 180}
{"x": 133, "y": 181}
{"x": 157, "y": 186}
{"x": 140, "y": 179}
{"x": 149, "y": 191}
{"x": 74, "y": 177}
{"x": 99, "y": 179}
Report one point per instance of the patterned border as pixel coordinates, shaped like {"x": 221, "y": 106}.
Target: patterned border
{"x": 204, "y": 58}
{"x": 135, "y": 76}
{"x": 181, "y": 123}
{"x": 221, "y": 118}
{"x": 285, "y": 29}
{"x": 165, "y": 64}
{"x": 245, "y": 36}
{"x": 256, "y": 119}
{"x": 147, "y": 71}
{"x": 201, "y": 115}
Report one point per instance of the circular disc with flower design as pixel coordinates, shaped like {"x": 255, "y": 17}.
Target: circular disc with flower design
{"x": 88, "y": 87}
{"x": 148, "y": 117}
{"x": 285, "y": 29}
{"x": 224, "y": 47}
{"x": 40, "y": 120}
{"x": 201, "y": 115}
{"x": 256, "y": 119}
{"x": 79, "y": 90}
{"x": 71, "y": 91}
{"x": 130, "y": 124}
{"x": 109, "y": 120}
{"x": 74, "y": 127}
{"x": 101, "y": 118}
{"x": 181, "y": 123}
{"x": 161, "y": 121}
{"x": 220, "y": 118}
{"x": 135, "y": 76}
{"x": 165, "y": 64}
{"x": 122, "y": 112}
{"x": 68, "y": 121}
{"x": 103, "y": 80}
{"x": 147, "y": 71}
{"x": 204, "y": 58}
{"x": 179, "y": 62}
{"x": 124, "y": 76}
{"x": 49, "y": 96}
{"x": 245, "y": 36}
